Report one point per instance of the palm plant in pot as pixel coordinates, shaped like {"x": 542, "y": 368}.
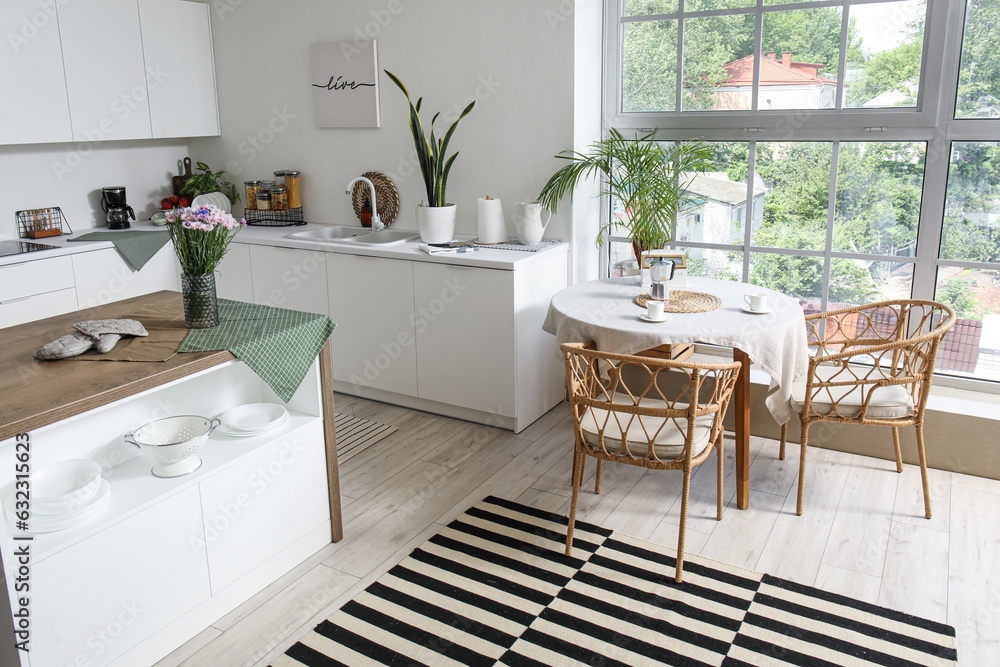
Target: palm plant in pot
{"x": 436, "y": 218}
{"x": 648, "y": 178}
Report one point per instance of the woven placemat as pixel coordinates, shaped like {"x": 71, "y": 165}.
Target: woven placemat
{"x": 685, "y": 302}
{"x": 386, "y": 196}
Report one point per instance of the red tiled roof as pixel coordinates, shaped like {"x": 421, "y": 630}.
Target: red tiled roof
{"x": 774, "y": 73}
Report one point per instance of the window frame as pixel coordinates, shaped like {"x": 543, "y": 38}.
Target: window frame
{"x": 931, "y": 121}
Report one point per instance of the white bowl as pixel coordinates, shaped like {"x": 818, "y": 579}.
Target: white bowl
{"x": 65, "y": 485}
{"x": 173, "y": 442}
{"x": 255, "y": 417}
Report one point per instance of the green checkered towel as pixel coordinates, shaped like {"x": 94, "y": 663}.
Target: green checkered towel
{"x": 278, "y": 344}
{"x": 136, "y": 247}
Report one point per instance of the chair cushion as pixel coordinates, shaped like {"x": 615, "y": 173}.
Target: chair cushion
{"x": 887, "y": 402}
{"x": 669, "y": 442}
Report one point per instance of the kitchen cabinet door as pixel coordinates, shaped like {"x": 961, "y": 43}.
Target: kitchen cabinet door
{"x": 465, "y": 336}
{"x": 105, "y": 72}
{"x": 34, "y": 107}
{"x": 177, "y": 47}
{"x": 102, "y": 276}
{"x": 371, "y": 300}
{"x": 233, "y": 277}
{"x": 106, "y": 594}
{"x": 261, "y": 505}
{"x": 289, "y": 278}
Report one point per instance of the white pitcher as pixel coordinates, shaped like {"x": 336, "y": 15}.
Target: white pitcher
{"x": 528, "y": 223}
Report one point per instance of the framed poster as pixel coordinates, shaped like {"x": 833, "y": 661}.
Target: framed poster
{"x": 678, "y": 258}
{"x": 345, "y": 84}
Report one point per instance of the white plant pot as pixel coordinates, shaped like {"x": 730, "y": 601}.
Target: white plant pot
{"x": 436, "y": 223}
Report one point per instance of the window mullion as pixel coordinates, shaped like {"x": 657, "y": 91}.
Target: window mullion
{"x": 831, "y": 209}
{"x": 748, "y": 209}
{"x": 931, "y": 221}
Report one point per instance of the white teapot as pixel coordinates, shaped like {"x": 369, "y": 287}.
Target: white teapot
{"x": 528, "y": 223}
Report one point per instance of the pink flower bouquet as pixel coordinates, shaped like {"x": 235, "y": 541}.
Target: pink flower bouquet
{"x": 201, "y": 237}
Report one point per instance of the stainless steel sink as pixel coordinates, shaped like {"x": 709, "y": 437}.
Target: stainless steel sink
{"x": 329, "y": 233}
{"x": 385, "y": 237}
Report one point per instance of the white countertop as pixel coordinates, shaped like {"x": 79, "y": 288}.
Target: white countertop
{"x": 487, "y": 258}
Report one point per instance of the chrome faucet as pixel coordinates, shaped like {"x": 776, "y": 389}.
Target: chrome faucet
{"x": 376, "y": 221}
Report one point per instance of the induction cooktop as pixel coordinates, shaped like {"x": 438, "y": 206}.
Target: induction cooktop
{"x": 19, "y": 247}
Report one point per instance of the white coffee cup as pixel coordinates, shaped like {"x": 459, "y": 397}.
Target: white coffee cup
{"x": 654, "y": 309}
{"x": 757, "y": 301}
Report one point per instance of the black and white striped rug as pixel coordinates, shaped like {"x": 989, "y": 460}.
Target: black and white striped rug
{"x": 355, "y": 434}
{"x": 495, "y": 588}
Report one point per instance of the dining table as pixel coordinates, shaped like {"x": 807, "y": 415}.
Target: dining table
{"x": 605, "y": 312}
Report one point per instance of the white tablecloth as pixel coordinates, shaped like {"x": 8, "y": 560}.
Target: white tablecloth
{"x": 603, "y": 311}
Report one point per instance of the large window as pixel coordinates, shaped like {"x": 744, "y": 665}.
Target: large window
{"x": 850, "y": 165}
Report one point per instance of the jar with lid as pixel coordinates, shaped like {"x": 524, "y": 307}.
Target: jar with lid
{"x": 252, "y": 188}
{"x": 264, "y": 201}
{"x": 279, "y": 177}
{"x": 292, "y": 183}
{"x": 279, "y": 198}
{"x": 265, "y": 186}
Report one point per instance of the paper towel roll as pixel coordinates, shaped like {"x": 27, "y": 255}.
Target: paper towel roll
{"x": 491, "y": 225}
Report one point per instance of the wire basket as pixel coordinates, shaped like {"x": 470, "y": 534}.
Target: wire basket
{"x": 37, "y": 223}
{"x": 286, "y": 218}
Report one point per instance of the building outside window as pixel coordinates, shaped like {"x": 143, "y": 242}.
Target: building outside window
{"x": 856, "y": 152}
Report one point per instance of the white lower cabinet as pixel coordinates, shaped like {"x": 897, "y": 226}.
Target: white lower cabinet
{"x": 98, "y": 598}
{"x": 465, "y": 336}
{"x": 102, "y": 276}
{"x": 233, "y": 276}
{"x": 289, "y": 278}
{"x": 36, "y": 289}
{"x": 371, "y": 300}
{"x": 280, "y": 492}
{"x": 463, "y": 341}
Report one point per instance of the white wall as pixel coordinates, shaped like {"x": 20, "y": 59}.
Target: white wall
{"x": 514, "y": 57}
{"x": 72, "y": 175}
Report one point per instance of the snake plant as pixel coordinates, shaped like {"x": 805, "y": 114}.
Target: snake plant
{"x": 434, "y": 166}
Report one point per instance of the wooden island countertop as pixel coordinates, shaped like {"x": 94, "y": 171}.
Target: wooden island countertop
{"x": 36, "y": 393}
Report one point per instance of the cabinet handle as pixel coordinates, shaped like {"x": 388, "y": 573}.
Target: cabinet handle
{"x": 23, "y": 298}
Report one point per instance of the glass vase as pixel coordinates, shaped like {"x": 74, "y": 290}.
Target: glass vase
{"x": 201, "y": 305}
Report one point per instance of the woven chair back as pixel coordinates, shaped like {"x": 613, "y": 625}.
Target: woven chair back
{"x": 638, "y": 400}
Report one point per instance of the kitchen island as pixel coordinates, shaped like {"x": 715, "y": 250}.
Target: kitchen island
{"x": 164, "y": 558}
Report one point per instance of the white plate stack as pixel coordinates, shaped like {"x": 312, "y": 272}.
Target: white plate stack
{"x": 251, "y": 419}
{"x": 62, "y": 495}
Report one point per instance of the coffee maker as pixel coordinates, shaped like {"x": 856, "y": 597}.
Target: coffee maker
{"x": 114, "y": 204}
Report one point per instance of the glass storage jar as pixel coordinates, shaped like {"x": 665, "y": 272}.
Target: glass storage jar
{"x": 263, "y": 201}
{"x": 279, "y": 198}
{"x": 292, "y": 183}
{"x": 252, "y": 188}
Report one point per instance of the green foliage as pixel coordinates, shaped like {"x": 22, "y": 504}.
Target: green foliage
{"x": 209, "y": 181}
{"x": 895, "y": 69}
{"x": 979, "y": 77}
{"x": 649, "y": 178}
{"x": 958, "y": 294}
{"x": 431, "y": 153}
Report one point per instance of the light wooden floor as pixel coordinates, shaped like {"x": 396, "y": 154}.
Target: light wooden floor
{"x": 863, "y": 532}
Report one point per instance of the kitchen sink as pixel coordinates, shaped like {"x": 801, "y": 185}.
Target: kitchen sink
{"x": 329, "y": 233}
{"x": 385, "y": 237}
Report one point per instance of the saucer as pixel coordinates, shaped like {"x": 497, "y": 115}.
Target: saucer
{"x": 747, "y": 309}
{"x": 665, "y": 318}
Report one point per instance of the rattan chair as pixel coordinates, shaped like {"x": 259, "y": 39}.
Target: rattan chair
{"x": 871, "y": 365}
{"x": 653, "y": 413}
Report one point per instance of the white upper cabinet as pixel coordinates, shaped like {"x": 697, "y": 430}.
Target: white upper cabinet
{"x": 180, "y": 65}
{"x": 105, "y": 72}
{"x": 34, "y": 107}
